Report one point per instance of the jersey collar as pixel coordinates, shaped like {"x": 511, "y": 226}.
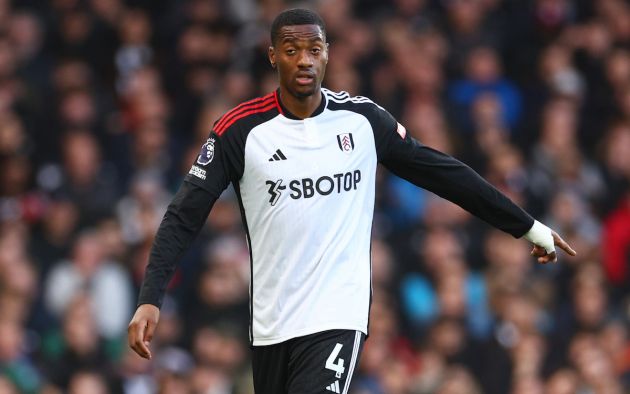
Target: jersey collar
{"x": 288, "y": 114}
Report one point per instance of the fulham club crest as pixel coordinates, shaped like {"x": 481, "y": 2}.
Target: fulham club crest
{"x": 345, "y": 141}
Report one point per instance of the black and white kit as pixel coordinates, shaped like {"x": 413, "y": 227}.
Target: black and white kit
{"x": 306, "y": 189}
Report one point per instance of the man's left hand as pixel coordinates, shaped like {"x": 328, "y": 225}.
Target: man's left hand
{"x": 543, "y": 257}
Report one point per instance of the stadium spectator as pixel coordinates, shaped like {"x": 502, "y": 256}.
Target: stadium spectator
{"x": 88, "y": 274}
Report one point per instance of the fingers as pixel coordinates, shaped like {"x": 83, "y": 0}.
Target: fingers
{"x": 538, "y": 251}
{"x": 137, "y": 338}
{"x": 542, "y": 256}
{"x": 562, "y": 244}
{"x": 548, "y": 258}
{"x": 148, "y": 333}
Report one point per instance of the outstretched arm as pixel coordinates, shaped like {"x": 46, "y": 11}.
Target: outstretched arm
{"x": 455, "y": 181}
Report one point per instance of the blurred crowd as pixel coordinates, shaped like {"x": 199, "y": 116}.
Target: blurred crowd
{"x": 104, "y": 105}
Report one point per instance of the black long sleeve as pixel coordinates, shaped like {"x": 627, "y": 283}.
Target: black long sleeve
{"x": 453, "y": 180}
{"x": 444, "y": 175}
{"x": 208, "y": 177}
{"x": 182, "y": 221}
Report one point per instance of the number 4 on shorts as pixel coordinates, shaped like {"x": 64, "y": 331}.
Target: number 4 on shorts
{"x": 338, "y": 366}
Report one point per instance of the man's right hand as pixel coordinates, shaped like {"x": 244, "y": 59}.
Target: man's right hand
{"x": 141, "y": 329}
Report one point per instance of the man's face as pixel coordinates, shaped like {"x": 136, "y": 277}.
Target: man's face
{"x": 300, "y": 53}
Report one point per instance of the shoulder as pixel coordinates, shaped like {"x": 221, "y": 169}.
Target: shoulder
{"x": 376, "y": 114}
{"x": 342, "y": 100}
{"x": 248, "y": 114}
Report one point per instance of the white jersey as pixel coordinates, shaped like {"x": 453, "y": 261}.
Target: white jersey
{"x": 306, "y": 188}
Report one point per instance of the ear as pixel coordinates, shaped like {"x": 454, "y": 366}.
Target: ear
{"x": 272, "y": 56}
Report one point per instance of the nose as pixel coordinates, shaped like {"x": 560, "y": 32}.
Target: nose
{"x": 305, "y": 60}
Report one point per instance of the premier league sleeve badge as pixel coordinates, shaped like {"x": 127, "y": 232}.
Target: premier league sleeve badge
{"x": 207, "y": 152}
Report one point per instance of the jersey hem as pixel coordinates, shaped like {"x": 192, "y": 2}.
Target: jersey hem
{"x": 301, "y": 333}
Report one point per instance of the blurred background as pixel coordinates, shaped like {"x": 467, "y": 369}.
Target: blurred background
{"x": 105, "y": 103}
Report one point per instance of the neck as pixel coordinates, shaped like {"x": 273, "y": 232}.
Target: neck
{"x": 302, "y": 107}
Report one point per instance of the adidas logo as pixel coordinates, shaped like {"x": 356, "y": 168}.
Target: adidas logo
{"x": 278, "y": 156}
{"x": 334, "y": 387}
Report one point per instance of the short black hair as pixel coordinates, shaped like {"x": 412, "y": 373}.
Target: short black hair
{"x": 295, "y": 16}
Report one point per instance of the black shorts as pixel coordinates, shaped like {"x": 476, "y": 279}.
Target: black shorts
{"x": 321, "y": 363}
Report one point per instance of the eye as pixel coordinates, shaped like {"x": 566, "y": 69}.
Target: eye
{"x": 316, "y": 51}
{"x": 290, "y": 51}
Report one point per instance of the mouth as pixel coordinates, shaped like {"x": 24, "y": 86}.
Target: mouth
{"x": 305, "y": 79}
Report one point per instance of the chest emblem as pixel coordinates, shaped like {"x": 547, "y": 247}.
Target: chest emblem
{"x": 345, "y": 142}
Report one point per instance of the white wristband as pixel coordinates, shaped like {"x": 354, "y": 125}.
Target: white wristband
{"x": 540, "y": 235}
